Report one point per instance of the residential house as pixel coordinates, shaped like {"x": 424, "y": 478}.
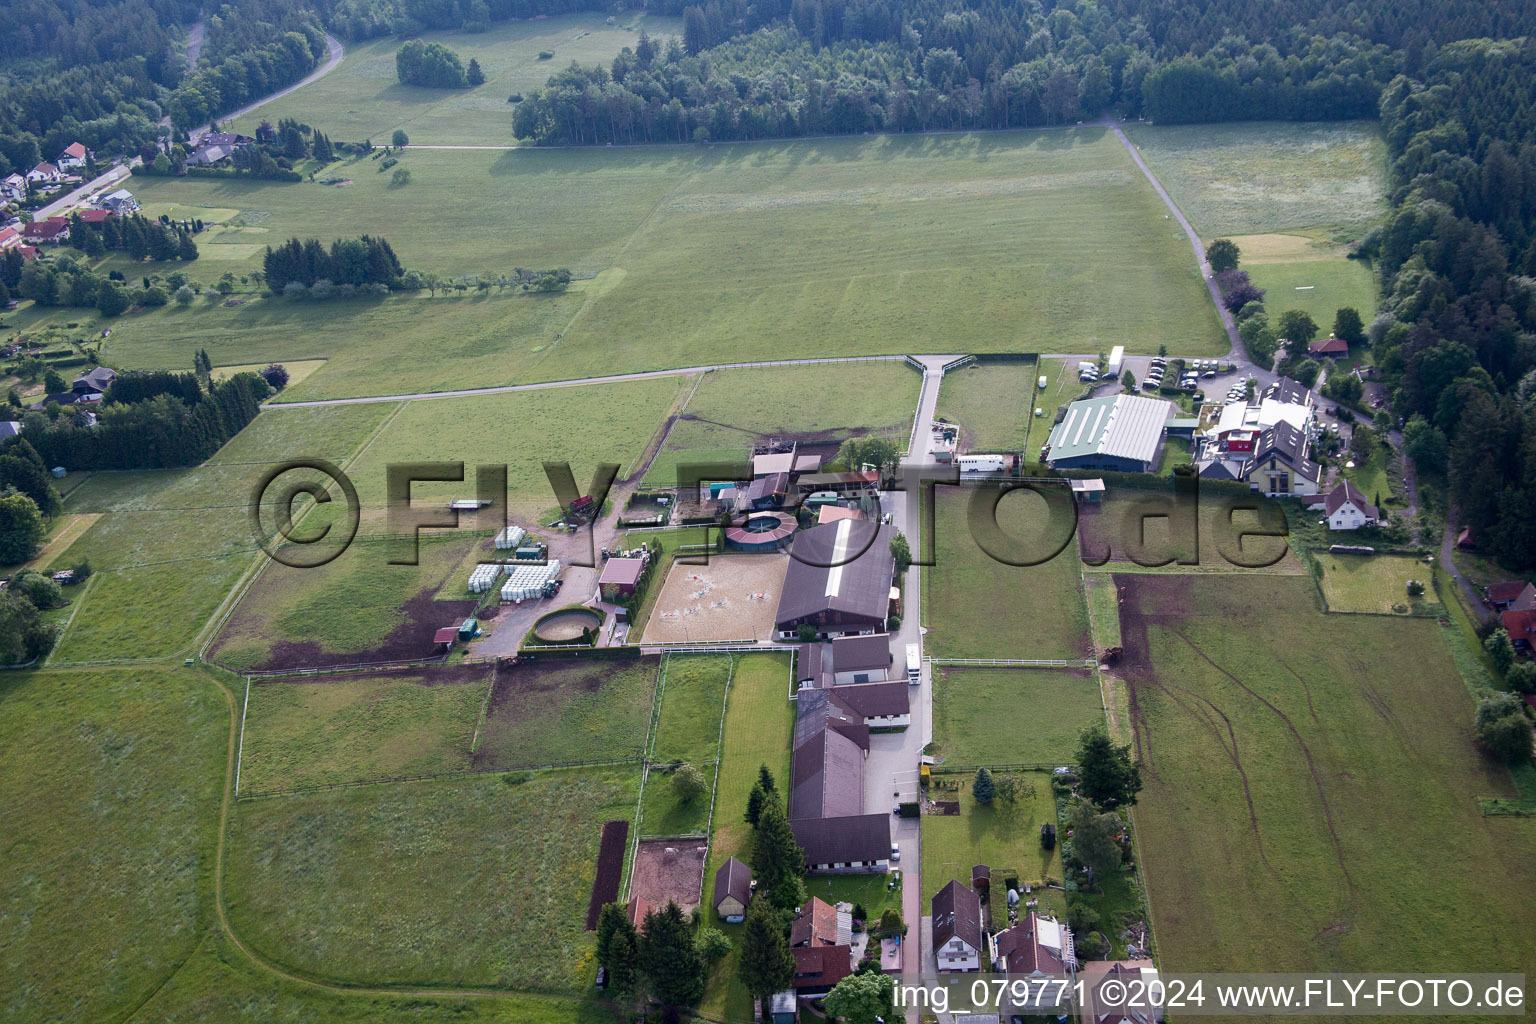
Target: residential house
{"x": 1521, "y": 627}
{"x": 861, "y": 658}
{"x": 120, "y": 202}
{"x": 818, "y": 968}
{"x": 206, "y": 156}
{"x": 94, "y": 217}
{"x": 819, "y": 923}
{"x": 839, "y": 580}
{"x": 94, "y": 381}
{"x": 231, "y": 139}
{"x": 1273, "y": 460}
{"x": 1136, "y": 976}
{"x": 73, "y": 157}
{"x": 1511, "y": 596}
{"x": 1329, "y": 348}
{"x": 9, "y": 428}
{"x": 733, "y": 890}
{"x": 14, "y": 188}
{"x": 50, "y": 229}
{"x": 44, "y": 174}
{"x": 1346, "y": 508}
{"x": 958, "y": 940}
{"x": 10, "y": 238}
{"x": 1027, "y": 951}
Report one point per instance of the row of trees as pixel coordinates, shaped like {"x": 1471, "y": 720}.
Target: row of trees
{"x": 348, "y": 261}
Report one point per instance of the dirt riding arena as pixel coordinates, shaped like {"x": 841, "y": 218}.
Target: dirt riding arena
{"x": 734, "y": 597}
{"x": 669, "y": 869}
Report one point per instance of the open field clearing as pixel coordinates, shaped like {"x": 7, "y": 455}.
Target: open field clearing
{"x": 1372, "y": 583}
{"x": 759, "y": 722}
{"x": 1004, "y": 837}
{"x": 522, "y": 430}
{"x": 1236, "y": 179}
{"x": 363, "y": 98}
{"x": 110, "y": 781}
{"x": 308, "y": 731}
{"x": 297, "y": 370}
{"x": 688, "y": 728}
{"x": 219, "y": 983}
{"x": 988, "y": 716}
{"x": 356, "y": 609}
{"x": 751, "y": 251}
{"x": 1319, "y": 288}
{"x": 1310, "y": 787}
{"x": 991, "y": 402}
{"x": 979, "y": 607}
{"x": 556, "y": 711}
{"x": 819, "y": 406}
{"x": 487, "y": 878}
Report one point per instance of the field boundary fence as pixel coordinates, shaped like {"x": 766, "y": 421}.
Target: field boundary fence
{"x": 468, "y": 774}
{"x": 1014, "y": 662}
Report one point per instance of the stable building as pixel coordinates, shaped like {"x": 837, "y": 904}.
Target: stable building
{"x": 839, "y": 580}
{"x": 861, "y": 659}
{"x": 733, "y": 890}
{"x": 1122, "y": 433}
{"x": 857, "y": 844}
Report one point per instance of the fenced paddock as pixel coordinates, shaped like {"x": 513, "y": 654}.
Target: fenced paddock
{"x": 731, "y": 599}
{"x": 670, "y": 869}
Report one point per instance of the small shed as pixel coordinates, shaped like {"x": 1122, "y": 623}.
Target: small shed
{"x": 1088, "y": 492}
{"x": 733, "y": 890}
{"x": 446, "y": 635}
{"x": 981, "y": 878}
{"x": 468, "y": 629}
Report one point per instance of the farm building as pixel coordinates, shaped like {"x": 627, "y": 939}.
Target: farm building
{"x": 839, "y": 580}
{"x": 620, "y": 577}
{"x": 827, "y": 767}
{"x": 833, "y": 513}
{"x": 858, "y": 843}
{"x": 733, "y": 890}
{"x": 767, "y": 492}
{"x": 1116, "y": 432}
{"x": 761, "y": 533}
{"x": 1512, "y": 596}
{"x": 808, "y": 665}
{"x": 958, "y": 940}
{"x": 97, "y": 380}
{"x": 861, "y": 659}
{"x": 1088, "y": 492}
{"x": 880, "y": 705}
{"x": 1329, "y": 348}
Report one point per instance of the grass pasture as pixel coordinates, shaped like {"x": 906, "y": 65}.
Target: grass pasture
{"x": 1310, "y": 785}
{"x": 306, "y": 731}
{"x": 992, "y": 404}
{"x": 692, "y": 702}
{"x": 1372, "y": 583}
{"x": 488, "y": 878}
{"x": 110, "y": 780}
{"x": 363, "y": 98}
{"x": 1243, "y": 178}
{"x": 979, "y": 607}
{"x": 731, "y": 409}
{"x": 988, "y": 716}
{"x": 1318, "y": 280}
{"x": 562, "y": 711}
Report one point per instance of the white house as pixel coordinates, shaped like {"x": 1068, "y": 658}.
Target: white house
{"x": 14, "y": 187}
{"x": 957, "y": 936}
{"x": 1347, "y": 509}
{"x": 73, "y": 157}
{"x": 44, "y": 174}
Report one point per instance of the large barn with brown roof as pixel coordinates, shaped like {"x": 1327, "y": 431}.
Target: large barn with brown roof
{"x": 839, "y": 580}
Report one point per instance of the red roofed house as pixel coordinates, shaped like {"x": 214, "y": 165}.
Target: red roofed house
{"x": 957, "y": 935}
{"x": 1521, "y": 627}
{"x": 94, "y": 216}
{"x": 10, "y": 238}
{"x": 446, "y": 635}
{"x": 819, "y": 923}
{"x": 72, "y": 157}
{"x": 1509, "y": 596}
{"x": 1347, "y": 508}
{"x": 53, "y": 229}
{"x": 1039, "y": 949}
{"x": 818, "y": 968}
{"x": 1330, "y": 347}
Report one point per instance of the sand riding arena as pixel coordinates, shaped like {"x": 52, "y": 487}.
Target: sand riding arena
{"x": 734, "y": 597}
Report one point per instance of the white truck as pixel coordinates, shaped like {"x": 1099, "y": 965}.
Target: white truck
{"x": 983, "y": 463}
{"x": 914, "y": 664}
{"x": 1116, "y": 361}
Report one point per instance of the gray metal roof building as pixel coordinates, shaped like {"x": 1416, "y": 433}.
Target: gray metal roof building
{"x": 1117, "y": 432}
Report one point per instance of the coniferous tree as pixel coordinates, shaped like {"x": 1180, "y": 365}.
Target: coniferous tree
{"x": 669, "y": 958}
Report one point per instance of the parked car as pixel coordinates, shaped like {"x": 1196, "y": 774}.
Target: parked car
{"x": 895, "y": 852}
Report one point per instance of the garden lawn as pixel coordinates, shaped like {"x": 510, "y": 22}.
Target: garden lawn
{"x": 992, "y": 404}
{"x": 1373, "y": 583}
{"x": 561, "y": 710}
{"x": 978, "y": 607}
{"x": 663, "y": 813}
{"x": 1371, "y": 476}
{"x": 1062, "y": 388}
{"x": 478, "y": 881}
{"x": 759, "y": 721}
{"x": 110, "y": 783}
{"x": 304, "y": 732}
{"x": 1244, "y": 178}
{"x": 692, "y": 703}
{"x": 363, "y": 98}
{"x": 731, "y": 409}
{"x": 1013, "y": 716}
{"x": 1307, "y": 784}
{"x": 1006, "y": 839}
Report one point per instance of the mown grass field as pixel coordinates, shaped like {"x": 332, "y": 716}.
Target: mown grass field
{"x": 488, "y": 878}
{"x": 304, "y": 732}
{"x": 1005, "y": 838}
{"x": 759, "y": 721}
{"x": 1310, "y": 788}
{"x": 568, "y": 710}
{"x": 363, "y": 98}
{"x": 1371, "y": 475}
{"x": 1061, "y": 388}
{"x": 992, "y": 404}
{"x": 692, "y": 703}
{"x": 979, "y": 607}
{"x": 1244, "y": 178}
{"x": 752, "y": 251}
{"x": 1372, "y": 583}
{"x": 1318, "y": 287}
{"x": 110, "y": 783}
{"x": 824, "y": 404}
{"x": 996, "y": 716}
{"x": 170, "y": 544}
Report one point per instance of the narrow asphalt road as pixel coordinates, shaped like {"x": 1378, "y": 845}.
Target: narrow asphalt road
{"x": 1447, "y": 549}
